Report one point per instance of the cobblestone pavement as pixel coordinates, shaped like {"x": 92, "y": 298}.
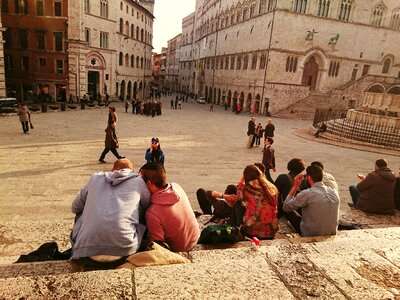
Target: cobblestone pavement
{"x": 42, "y": 172}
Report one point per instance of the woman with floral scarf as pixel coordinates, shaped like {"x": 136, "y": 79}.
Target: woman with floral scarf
{"x": 259, "y": 197}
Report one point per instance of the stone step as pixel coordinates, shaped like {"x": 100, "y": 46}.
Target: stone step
{"x": 352, "y": 265}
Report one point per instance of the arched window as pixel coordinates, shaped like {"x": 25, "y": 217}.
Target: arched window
{"x": 271, "y": 5}
{"x": 141, "y": 62}
{"x": 233, "y": 19}
{"x": 87, "y": 6}
{"x": 121, "y": 25}
{"x": 378, "y": 14}
{"x": 137, "y": 32}
{"x": 121, "y": 6}
{"x": 121, "y": 58}
{"x": 104, "y": 8}
{"x": 126, "y": 60}
{"x": 137, "y": 61}
{"x": 239, "y": 16}
{"x": 395, "y": 20}
{"x": 300, "y": 6}
{"x": 386, "y": 65}
{"x": 126, "y": 31}
{"x": 141, "y": 34}
{"x": 345, "y": 10}
{"x": 323, "y": 8}
{"x": 245, "y": 13}
{"x": 262, "y": 7}
{"x": 132, "y": 61}
{"x": 132, "y": 31}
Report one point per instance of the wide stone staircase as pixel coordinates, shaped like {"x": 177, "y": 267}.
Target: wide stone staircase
{"x": 356, "y": 264}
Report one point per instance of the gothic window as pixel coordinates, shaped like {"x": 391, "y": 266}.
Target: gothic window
{"x": 104, "y": 40}
{"x": 137, "y": 32}
{"x": 132, "y": 31}
{"x": 386, "y": 66}
{"x": 323, "y": 8}
{"x": 263, "y": 4}
{"x": 226, "y": 63}
{"x": 221, "y": 63}
{"x": 126, "y": 60}
{"x": 239, "y": 63}
{"x": 121, "y": 25}
{"x": 141, "y": 62}
{"x": 216, "y": 63}
{"x": 226, "y": 21}
{"x": 232, "y": 62}
{"x": 333, "y": 69}
{"x": 395, "y": 20}
{"x": 141, "y": 34}
{"x": 300, "y": 6}
{"x": 232, "y": 19}
{"x": 245, "y": 62}
{"x": 245, "y": 13}
{"x": 137, "y": 61}
{"x": 345, "y": 9}
{"x": 126, "y": 31}
{"x": 271, "y": 5}
{"x": 121, "y": 58}
{"x": 239, "y": 16}
{"x": 208, "y": 64}
{"x": 252, "y": 10}
{"x": 378, "y": 14}
{"x": 291, "y": 64}
{"x": 254, "y": 61}
{"x": 104, "y": 8}
{"x": 263, "y": 60}
{"x": 212, "y": 63}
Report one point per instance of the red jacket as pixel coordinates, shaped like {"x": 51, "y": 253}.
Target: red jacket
{"x": 170, "y": 218}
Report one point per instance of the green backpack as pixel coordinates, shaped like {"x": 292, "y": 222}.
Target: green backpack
{"x": 220, "y": 234}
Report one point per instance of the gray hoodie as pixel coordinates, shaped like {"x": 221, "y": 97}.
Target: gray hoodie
{"x": 111, "y": 205}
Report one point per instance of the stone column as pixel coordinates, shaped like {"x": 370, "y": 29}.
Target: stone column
{"x": 2, "y": 76}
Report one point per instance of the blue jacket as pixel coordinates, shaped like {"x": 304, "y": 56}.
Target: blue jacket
{"x": 153, "y": 157}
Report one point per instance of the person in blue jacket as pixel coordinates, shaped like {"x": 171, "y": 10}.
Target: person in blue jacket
{"x": 154, "y": 154}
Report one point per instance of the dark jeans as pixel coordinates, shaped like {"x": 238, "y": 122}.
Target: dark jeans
{"x": 294, "y": 218}
{"x": 106, "y": 150}
{"x": 354, "y": 194}
{"x": 238, "y": 212}
{"x": 92, "y": 265}
{"x": 25, "y": 126}
{"x": 206, "y": 202}
{"x": 268, "y": 175}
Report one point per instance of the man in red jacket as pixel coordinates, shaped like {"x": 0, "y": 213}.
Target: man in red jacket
{"x": 170, "y": 217}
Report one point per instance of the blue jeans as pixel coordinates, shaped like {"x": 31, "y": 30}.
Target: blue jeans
{"x": 354, "y": 194}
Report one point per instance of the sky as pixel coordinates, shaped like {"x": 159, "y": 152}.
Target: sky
{"x": 168, "y": 20}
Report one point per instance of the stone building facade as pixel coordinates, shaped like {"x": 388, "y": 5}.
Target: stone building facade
{"x": 110, "y": 46}
{"x": 35, "y": 49}
{"x": 269, "y": 54}
{"x": 187, "y": 61}
{"x": 56, "y": 48}
{"x": 2, "y": 77}
{"x": 173, "y": 59}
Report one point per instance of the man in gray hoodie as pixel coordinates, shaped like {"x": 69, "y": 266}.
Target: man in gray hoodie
{"x": 110, "y": 213}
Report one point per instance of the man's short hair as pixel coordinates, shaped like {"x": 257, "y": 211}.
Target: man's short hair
{"x": 270, "y": 140}
{"x": 231, "y": 190}
{"x": 318, "y": 163}
{"x": 315, "y": 173}
{"x": 296, "y": 165}
{"x": 155, "y": 173}
{"x": 381, "y": 163}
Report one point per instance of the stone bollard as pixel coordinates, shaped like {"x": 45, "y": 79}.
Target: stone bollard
{"x": 44, "y": 108}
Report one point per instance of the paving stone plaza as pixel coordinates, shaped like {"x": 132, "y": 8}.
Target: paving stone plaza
{"x": 42, "y": 172}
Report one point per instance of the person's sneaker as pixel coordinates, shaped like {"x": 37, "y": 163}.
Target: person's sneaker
{"x": 102, "y": 161}
{"x": 351, "y": 204}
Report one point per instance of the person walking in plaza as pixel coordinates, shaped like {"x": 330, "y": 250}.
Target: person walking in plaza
{"x": 24, "y": 117}
{"x": 180, "y": 104}
{"x": 212, "y": 107}
{"x": 258, "y": 135}
{"x": 319, "y": 205}
{"x": 251, "y": 130}
{"x": 268, "y": 159}
{"x": 110, "y": 143}
{"x": 172, "y": 104}
{"x": 374, "y": 194}
{"x": 112, "y": 116}
{"x": 321, "y": 129}
{"x": 269, "y": 129}
{"x": 170, "y": 217}
{"x": 154, "y": 153}
{"x": 109, "y": 222}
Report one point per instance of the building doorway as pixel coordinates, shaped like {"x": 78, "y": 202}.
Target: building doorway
{"x": 93, "y": 84}
{"x": 310, "y": 73}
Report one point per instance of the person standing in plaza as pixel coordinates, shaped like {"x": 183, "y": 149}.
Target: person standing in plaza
{"x": 126, "y": 105}
{"x": 268, "y": 159}
{"x": 154, "y": 154}
{"x": 251, "y": 130}
{"x": 110, "y": 143}
{"x": 24, "y": 117}
{"x": 172, "y": 104}
{"x": 258, "y": 134}
{"x": 269, "y": 129}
